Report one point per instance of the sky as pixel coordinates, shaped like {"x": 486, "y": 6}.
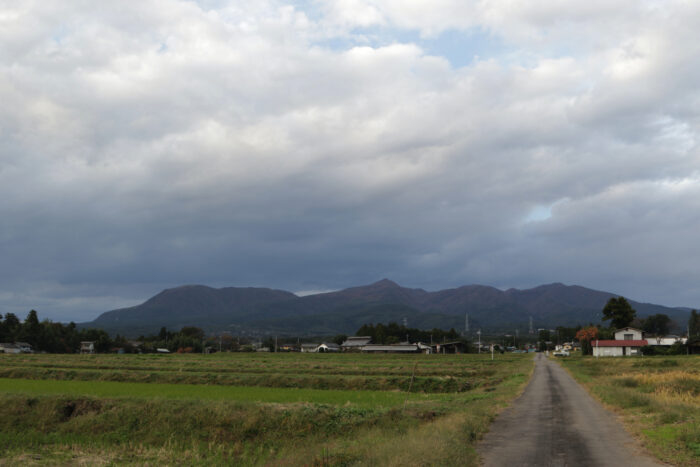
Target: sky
{"x": 318, "y": 145}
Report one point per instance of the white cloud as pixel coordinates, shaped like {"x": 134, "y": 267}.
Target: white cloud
{"x": 177, "y": 142}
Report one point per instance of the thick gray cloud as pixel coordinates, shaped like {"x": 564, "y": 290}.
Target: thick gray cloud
{"x": 318, "y": 146}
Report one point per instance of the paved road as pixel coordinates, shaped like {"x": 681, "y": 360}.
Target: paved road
{"x": 556, "y": 423}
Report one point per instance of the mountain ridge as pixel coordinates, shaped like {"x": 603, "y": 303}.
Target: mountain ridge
{"x": 259, "y": 310}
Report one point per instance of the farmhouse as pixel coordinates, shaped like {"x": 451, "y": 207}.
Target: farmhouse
{"x": 452, "y": 347}
{"x": 628, "y": 341}
{"x": 9, "y": 348}
{"x": 355, "y": 343}
{"x": 394, "y": 348}
{"x": 666, "y": 341}
{"x": 309, "y": 347}
{"x": 24, "y": 347}
{"x": 288, "y": 348}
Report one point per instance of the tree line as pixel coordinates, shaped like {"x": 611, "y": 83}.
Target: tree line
{"x": 47, "y": 336}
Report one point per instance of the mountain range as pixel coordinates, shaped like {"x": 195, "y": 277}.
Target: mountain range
{"x": 260, "y": 311}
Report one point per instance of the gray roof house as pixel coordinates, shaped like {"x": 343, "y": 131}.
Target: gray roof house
{"x": 355, "y": 343}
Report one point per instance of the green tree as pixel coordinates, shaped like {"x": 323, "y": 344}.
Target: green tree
{"x": 379, "y": 334}
{"x": 31, "y": 329}
{"x": 11, "y": 325}
{"x": 192, "y": 332}
{"x": 619, "y": 312}
{"x": 694, "y": 325}
{"x": 657, "y": 324}
{"x": 340, "y": 338}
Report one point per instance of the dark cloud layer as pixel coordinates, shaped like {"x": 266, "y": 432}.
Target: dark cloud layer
{"x": 183, "y": 142}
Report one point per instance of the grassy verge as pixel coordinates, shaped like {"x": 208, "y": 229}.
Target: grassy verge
{"x": 103, "y": 422}
{"x": 658, "y": 399}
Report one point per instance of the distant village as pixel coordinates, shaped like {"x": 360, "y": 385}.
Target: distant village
{"x": 623, "y": 340}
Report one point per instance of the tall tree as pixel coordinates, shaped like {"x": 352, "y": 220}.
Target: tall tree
{"x": 31, "y": 329}
{"x": 694, "y": 325}
{"x": 657, "y": 324}
{"x": 11, "y": 326}
{"x": 619, "y": 312}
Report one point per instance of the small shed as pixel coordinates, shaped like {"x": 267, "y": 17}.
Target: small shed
{"x": 87, "y": 347}
{"x": 24, "y": 347}
{"x": 308, "y": 347}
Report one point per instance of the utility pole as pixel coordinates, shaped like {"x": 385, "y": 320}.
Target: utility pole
{"x": 478, "y": 333}
{"x": 532, "y": 331}
{"x": 466, "y": 324}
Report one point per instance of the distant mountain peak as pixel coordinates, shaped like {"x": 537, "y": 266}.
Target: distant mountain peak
{"x": 385, "y": 283}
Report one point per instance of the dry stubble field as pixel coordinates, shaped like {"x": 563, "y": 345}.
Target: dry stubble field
{"x": 252, "y": 409}
{"x": 658, "y": 399}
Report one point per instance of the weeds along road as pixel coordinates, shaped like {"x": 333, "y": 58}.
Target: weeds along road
{"x": 556, "y": 423}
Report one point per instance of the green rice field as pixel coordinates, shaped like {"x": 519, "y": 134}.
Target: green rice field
{"x": 252, "y": 409}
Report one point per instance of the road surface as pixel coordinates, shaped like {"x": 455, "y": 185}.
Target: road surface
{"x": 556, "y": 423}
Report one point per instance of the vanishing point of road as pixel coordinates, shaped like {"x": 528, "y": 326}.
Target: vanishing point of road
{"x": 555, "y": 422}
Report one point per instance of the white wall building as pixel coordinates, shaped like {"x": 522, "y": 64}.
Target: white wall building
{"x": 628, "y": 341}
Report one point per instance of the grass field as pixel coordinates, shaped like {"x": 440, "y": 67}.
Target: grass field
{"x": 658, "y": 399}
{"x": 252, "y": 409}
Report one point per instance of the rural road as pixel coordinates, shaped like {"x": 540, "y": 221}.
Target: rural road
{"x": 556, "y": 423}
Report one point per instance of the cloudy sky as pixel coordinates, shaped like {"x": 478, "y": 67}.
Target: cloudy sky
{"x": 318, "y": 145}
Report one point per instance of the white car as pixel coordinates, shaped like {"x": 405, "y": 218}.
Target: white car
{"x": 561, "y": 353}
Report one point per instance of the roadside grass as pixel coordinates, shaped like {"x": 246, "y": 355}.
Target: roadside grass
{"x": 657, "y": 397}
{"x": 104, "y": 422}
